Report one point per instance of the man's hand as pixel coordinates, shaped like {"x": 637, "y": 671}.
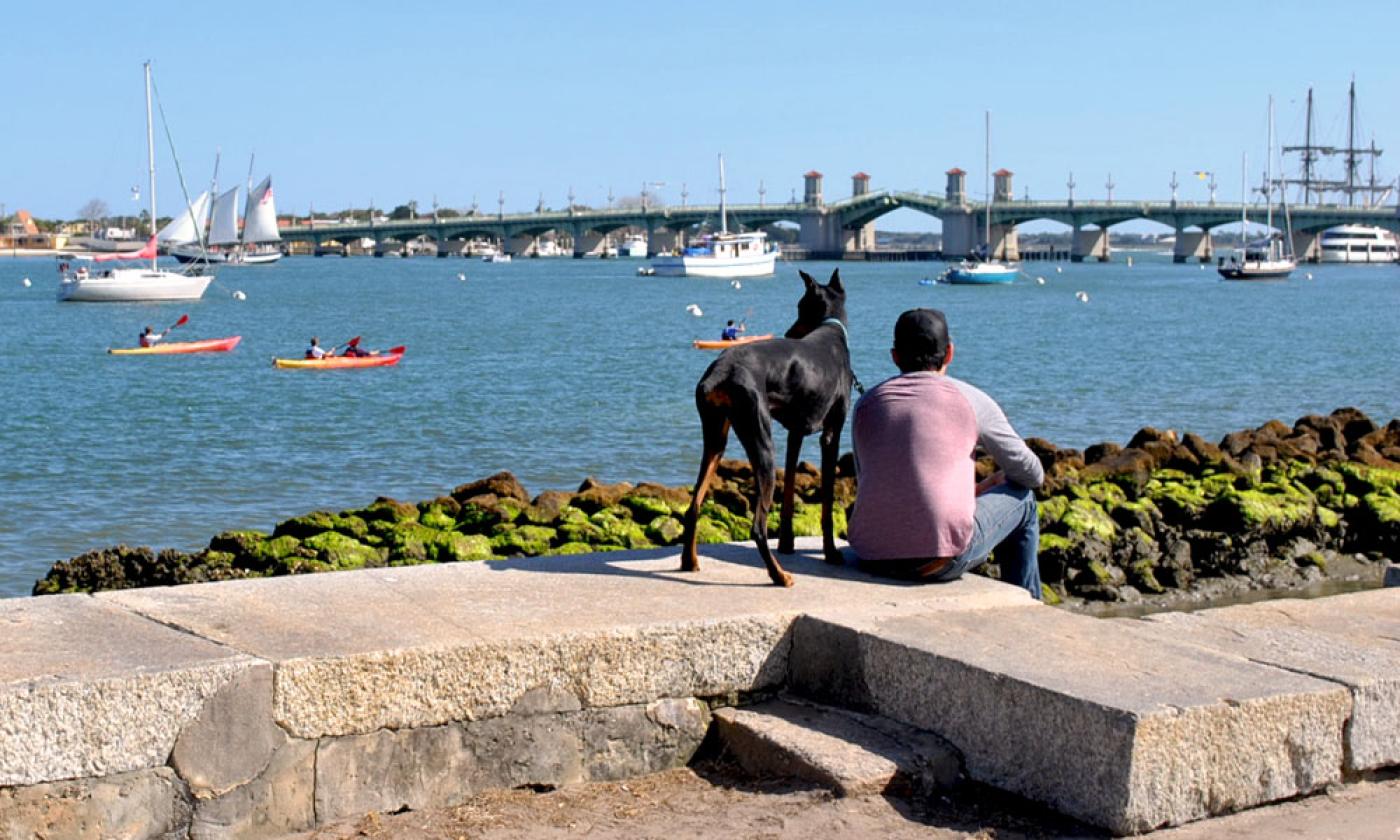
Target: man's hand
{"x": 996, "y": 479}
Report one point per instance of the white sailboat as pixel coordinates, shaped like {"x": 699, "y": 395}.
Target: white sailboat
{"x": 723, "y": 254}
{"x": 985, "y": 271}
{"x": 135, "y": 283}
{"x": 1271, "y": 258}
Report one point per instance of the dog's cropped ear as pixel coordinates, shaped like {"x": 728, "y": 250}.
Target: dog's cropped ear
{"x": 835, "y": 284}
{"x": 807, "y": 279}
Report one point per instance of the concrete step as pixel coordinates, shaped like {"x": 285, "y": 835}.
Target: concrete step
{"x": 853, "y": 754}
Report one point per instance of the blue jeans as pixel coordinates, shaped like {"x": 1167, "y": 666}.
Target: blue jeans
{"x": 1006, "y": 516}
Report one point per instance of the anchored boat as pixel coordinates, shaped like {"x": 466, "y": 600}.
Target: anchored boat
{"x": 986, "y": 271}
{"x": 723, "y": 254}
{"x": 134, "y": 284}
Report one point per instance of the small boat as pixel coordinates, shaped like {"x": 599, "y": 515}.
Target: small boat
{"x": 389, "y": 358}
{"x": 1272, "y": 258}
{"x": 208, "y": 345}
{"x": 633, "y": 246}
{"x": 723, "y": 254}
{"x": 135, "y": 284}
{"x": 723, "y": 344}
{"x": 497, "y": 257}
{"x": 984, "y": 272}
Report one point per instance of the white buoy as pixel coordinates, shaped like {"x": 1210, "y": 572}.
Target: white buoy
{"x": 1039, "y": 281}
{"x": 238, "y": 295}
{"x": 1203, "y": 267}
{"x": 27, "y": 284}
{"x": 1308, "y": 275}
{"x": 1082, "y": 296}
{"x": 736, "y": 284}
{"x": 1059, "y": 270}
{"x": 461, "y": 275}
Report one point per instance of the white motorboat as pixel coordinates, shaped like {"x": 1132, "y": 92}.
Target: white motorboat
{"x": 1358, "y": 244}
{"x": 135, "y": 284}
{"x": 723, "y": 254}
{"x": 497, "y": 257}
{"x": 633, "y": 246}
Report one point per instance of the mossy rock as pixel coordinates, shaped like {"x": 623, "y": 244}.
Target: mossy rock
{"x": 739, "y": 527}
{"x": 306, "y": 525}
{"x": 1384, "y": 506}
{"x": 238, "y": 543}
{"x": 1143, "y": 575}
{"x": 546, "y": 507}
{"x": 807, "y": 520}
{"x": 352, "y": 526}
{"x": 1052, "y": 510}
{"x": 454, "y": 547}
{"x": 340, "y": 552}
{"x": 385, "y": 509}
{"x": 1273, "y": 512}
{"x": 1178, "y": 501}
{"x": 1106, "y": 493}
{"x": 618, "y": 529}
{"x": 1054, "y": 542}
{"x": 1141, "y": 513}
{"x": 483, "y": 513}
{"x": 645, "y": 508}
{"x": 439, "y": 517}
{"x": 411, "y": 543}
{"x": 1086, "y": 517}
{"x": 1328, "y": 518}
{"x": 1049, "y": 596}
{"x": 665, "y": 530}
{"x": 708, "y": 530}
{"x": 526, "y": 540}
{"x": 581, "y": 548}
{"x": 580, "y": 531}
{"x": 1316, "y": 559}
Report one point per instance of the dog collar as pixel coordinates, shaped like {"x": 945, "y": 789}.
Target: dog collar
{"x": 837, "y": 322}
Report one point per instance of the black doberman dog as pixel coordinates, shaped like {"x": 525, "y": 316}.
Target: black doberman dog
{"x": 804, "y": 382}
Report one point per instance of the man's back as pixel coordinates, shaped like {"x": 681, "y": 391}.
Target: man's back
{"x": 914, "y": 437}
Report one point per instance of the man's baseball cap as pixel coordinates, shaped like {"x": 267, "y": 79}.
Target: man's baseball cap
{"x": 922, "y": 333}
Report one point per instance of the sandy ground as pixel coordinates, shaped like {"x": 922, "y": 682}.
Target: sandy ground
{"x": 714, "y": 800}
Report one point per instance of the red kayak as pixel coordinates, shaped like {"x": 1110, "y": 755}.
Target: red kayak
{"x": 386, "y": 359}
{"x": 208, "y": 345}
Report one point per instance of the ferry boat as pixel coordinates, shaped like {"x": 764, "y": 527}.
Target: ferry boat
{"x": 722, "y": 254}
{"x": 633, "y": 246}
{"x": 1358, "y": 244}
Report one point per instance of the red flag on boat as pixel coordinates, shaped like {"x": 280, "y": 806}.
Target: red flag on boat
{"x": 146, "y": 253}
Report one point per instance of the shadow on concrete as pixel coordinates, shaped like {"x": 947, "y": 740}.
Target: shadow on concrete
{"x": 633, "y": 563}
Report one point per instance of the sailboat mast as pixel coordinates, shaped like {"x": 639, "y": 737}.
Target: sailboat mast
{"x": 1308, "y": 152}
{"x": 151, "y": 156}
{"x": 1351, "y": 144}
{"x": 723, "y": 222}
{"x": 987, "y": 183}
{"x": 1244, "y": 205}
{"x": 1268, "y": 177}
{"x": 247, "y": 203}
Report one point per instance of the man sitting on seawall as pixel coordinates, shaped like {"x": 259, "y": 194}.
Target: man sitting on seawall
{"x": 920, "y": 513}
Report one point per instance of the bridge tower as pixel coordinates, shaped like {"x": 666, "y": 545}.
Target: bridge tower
{"x": 1004, "y": 244}
{"x": 812, "y": 189}
{"x": 1001, "y": 189}
{"x": 862, "y": 238}
{"x": 957, "y": 186}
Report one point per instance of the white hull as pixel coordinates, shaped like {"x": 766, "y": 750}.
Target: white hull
{"x": 757, "y": 265}
{"x": 1354, "y": 257}
{"x": 133, "y": 284}
{"x": 1357, "y": 244}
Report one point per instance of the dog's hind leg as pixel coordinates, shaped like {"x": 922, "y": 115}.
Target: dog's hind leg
{"x": 794, "y": 451}
{"x": 754, "y": 430}
{"x": 715, "y": 427}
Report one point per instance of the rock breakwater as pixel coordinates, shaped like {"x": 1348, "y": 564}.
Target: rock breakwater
{"x": 1273, "y": 507}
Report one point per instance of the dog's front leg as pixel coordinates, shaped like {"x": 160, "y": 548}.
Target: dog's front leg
{"x": 831, "y": 442}
{"x": 786, "y": 543}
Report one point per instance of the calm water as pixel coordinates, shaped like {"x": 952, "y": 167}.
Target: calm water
{"x": 561, "y": 369}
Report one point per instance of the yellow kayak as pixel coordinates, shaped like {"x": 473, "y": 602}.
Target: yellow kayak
{"x": 721, "y": 344}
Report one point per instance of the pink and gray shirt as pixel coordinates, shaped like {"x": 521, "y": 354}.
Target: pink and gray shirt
{"x": 915, "y": 436}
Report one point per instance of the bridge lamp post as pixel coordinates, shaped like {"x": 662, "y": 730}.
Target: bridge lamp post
{"x": 1202, "y": 174}
{"x": 1110, "y": 185}
{"x": 1070, "y": 184}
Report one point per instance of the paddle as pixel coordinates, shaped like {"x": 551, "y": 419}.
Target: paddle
{"x": 184, "y": 319}
{"x": 354, "y": 342}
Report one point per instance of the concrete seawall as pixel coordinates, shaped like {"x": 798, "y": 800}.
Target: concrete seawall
{"x": 257, "y": 708}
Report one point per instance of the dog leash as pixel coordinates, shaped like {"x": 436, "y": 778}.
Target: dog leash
{"x": 846, "y": 337}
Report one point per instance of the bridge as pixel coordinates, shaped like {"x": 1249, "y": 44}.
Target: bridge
{"x": 846, "y": 228}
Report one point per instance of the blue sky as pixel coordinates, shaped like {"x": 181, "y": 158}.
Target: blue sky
{"x": 348, "y": 102}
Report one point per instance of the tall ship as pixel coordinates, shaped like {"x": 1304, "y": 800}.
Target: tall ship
{"x": 138, "y": 282}
{"x": 224, "y": 240}
{"x": 722, "y": 254}
{"x": 1358, "y": 244}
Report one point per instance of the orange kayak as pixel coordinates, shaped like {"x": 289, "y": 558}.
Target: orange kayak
{"x": 387, "y": 359}
{"x": 208, "y": 345}
{"x": 721, "y": 344}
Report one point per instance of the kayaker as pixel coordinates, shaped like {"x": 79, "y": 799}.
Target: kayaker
{"x": 731, "y": 332}
{"x": 354, "y": 351}
{"x": 315, "y": 350}
{"x": 149, "y": 336}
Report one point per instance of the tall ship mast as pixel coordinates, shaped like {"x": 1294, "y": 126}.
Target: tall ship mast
{"x": 1311, "y": 153}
